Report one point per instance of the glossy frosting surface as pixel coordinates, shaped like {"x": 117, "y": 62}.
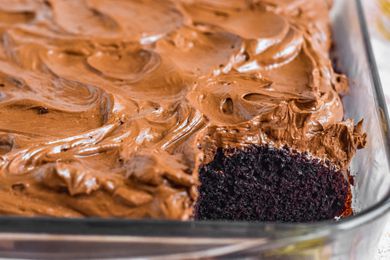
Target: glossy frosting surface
{"x": 107, "y": 107}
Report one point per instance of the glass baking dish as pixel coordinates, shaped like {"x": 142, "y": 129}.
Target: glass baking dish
{"x": 355, "y": 237}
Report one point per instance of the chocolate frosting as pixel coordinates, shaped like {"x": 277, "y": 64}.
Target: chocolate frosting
{"x": 108, "y": 107}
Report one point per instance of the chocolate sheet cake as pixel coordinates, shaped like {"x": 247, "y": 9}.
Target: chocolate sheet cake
{"x": 173, "y": 110}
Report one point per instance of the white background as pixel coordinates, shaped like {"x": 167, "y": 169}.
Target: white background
{"x": 381, "y": 46}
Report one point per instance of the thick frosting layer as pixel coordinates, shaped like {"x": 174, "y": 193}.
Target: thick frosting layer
{"x": 107, "y": 107}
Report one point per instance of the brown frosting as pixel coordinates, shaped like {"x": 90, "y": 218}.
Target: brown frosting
{"x": 108, "y": 107}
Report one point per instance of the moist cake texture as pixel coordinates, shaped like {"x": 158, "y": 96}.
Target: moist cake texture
{"x": 159, "y": 109}
{"x": 261, "y": 183}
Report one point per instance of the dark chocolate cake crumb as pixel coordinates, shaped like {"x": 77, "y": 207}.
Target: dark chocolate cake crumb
{"x": 269, "y": 184}
{"x": 41, "y": 110}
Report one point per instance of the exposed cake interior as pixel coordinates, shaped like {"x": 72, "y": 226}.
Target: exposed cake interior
{"x": 271, "y": 184}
